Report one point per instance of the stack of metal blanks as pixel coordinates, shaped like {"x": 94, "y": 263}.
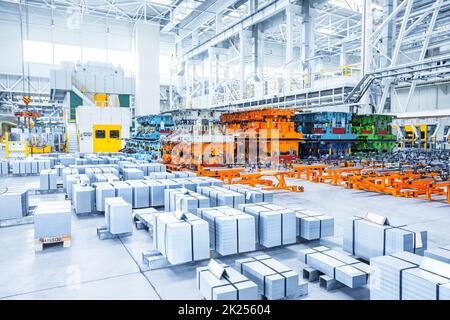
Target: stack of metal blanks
{"x": 118, "y": 216}
{"x": 231, "y": 231}
{"x": 102, "y": 192}
{"x": 48, "y": 179}
{"x": 4, "y": 167}
{"x": 368, "y": 239}
{"x": 274, "y": 279}
{"x": 141, "y": 194}
{"x": 184, "y": 200}
{"x": 123, "y": 190}
{"x": 161, "y": 175}
{"x": 181, "y": 237}
{"x": 337, "y": 265}
{"x": 83, "y": 198}
{"x": 132, "y": 174}
{"x": 219, "y": 196}
{"x": 274, "y": 225}
{"x": 221, "y": 282}
{"x": 14, "y": 203}
{"x": 252, "y": 194}
{"x": 312, "y": 225}
{"x": 52, "y": 219}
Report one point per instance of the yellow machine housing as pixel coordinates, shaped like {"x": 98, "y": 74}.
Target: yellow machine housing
{"x": 107, "y": 138}
{"x": 410, "y": 135}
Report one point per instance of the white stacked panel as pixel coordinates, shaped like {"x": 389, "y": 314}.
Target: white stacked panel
{"x": 118, "y": 216}
{"x": 14, "y": 203}
{"x": 367, "y": 239}
{"x": 275, "y": 280}
{"x": 230, "y": 231}
{"x": 419, "y": 284}
{"x": 52, "y": 219}
{"x": 48, "y": 179}
{"x": 72, "y": 180}
{"x": 387, "y": 273}
{"x": 123, "y": 190}
{"x": 184, "y": 174}
{"x": 103, "y": 192}
{"x": 274, "y": 226}
{"x": 132, "y": 174}
{"x": 156, "y": 191}
{"x": 161, "y": 175}
{"x": 59, "y": 170}
{"x": 66, "y": 160}
{"x": 234, "y": 286}
{"x": 83, "y": 198}
{"x": 184, "y": 200}
{"x": 68, "y": 172}
{"x": 181, "y": 239}
{"x": 141, "y": 195}
{"x": 4, "y": 167}
{"x": 444, "y": 292}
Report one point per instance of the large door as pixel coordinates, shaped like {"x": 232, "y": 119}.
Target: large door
{"x": 107, "y": 138}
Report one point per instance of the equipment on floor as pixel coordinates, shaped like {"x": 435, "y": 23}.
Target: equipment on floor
{"x": 102, "y": 129}
{"x": 263, "y": 136}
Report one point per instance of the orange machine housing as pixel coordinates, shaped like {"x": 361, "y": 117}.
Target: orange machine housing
{"x": 270, "y": 129}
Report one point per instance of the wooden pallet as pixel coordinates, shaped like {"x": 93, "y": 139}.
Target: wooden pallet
{"x": 39, "y": 243}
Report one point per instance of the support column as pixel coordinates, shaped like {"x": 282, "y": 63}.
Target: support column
{"x": 289, "y": 47}
{"x": 307, "y": 48}
{"x": 366, "y": 50}
{"x": 147, "y": 69}
{"x": 242, "y": 53}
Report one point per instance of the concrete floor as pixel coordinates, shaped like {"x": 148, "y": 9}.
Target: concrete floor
{"x": 110, "y": 269}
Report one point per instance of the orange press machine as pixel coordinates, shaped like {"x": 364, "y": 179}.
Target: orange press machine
{"x": 263, "y": 135}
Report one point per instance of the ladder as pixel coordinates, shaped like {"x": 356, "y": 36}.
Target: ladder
{"x": 72, "y": 138}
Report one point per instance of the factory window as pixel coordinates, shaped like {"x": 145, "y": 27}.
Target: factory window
{"x": 100, "y": 134}
{"x": 38, "y": 52}
{"x": 114, "y": 134}
{"x": 67, "y": 53}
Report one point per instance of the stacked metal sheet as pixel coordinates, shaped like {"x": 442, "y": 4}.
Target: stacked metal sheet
{"x": 132, "y": 174}
{"x": 274, "y": 279}
{"x": 123, "y": 190}
{"x": 14, "y": 203}
{"x": 387, "y": 272}
{"x": 184, "y": 174}
{"x": 219, "y": 196}
{"x": 72, "y": 180}
{"x": 424, "y": 283}
{"x": 440, "y": 253}
{"x": 83, "y": 198}
{"x": 156, "y": 167}
{"x": 118, "y": 216}
{"x": 275, "y": 225}
{"x": 66, "y": 160}
{"x": 52, "y": 219}
{"x": 68, "y": 172}
{"x": 367, "y": 239}
{"x": 105, "y": 177}
{"x": 156, "y": 193}
{"x": 59, "y": 170}
{"x": 102, "y": 192}
{"x": 231, "y": 231}
{"x": 181, "y": 237}
{"x": 221, "y": 282}
{"x": 312, "y": 225}
{"x": 4, "y": 167}
{"x": 406, "y": 276}
{"x": 141, "y": 196}
{"x": 161, "y": 175}
{"x": 48, "y": 179}
{"x": 337, "y": 265}
{"x": 29, "y": 166}
{"x": 252, "y": 194}
{"x": 81, "y": 161}
{"x": 184, "y": 200}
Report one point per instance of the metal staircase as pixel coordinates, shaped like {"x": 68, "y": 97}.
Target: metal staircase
{"x": 72, "y": 137}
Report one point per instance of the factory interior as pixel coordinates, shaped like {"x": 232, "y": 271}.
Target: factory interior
{"x": 225, "y": 150}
